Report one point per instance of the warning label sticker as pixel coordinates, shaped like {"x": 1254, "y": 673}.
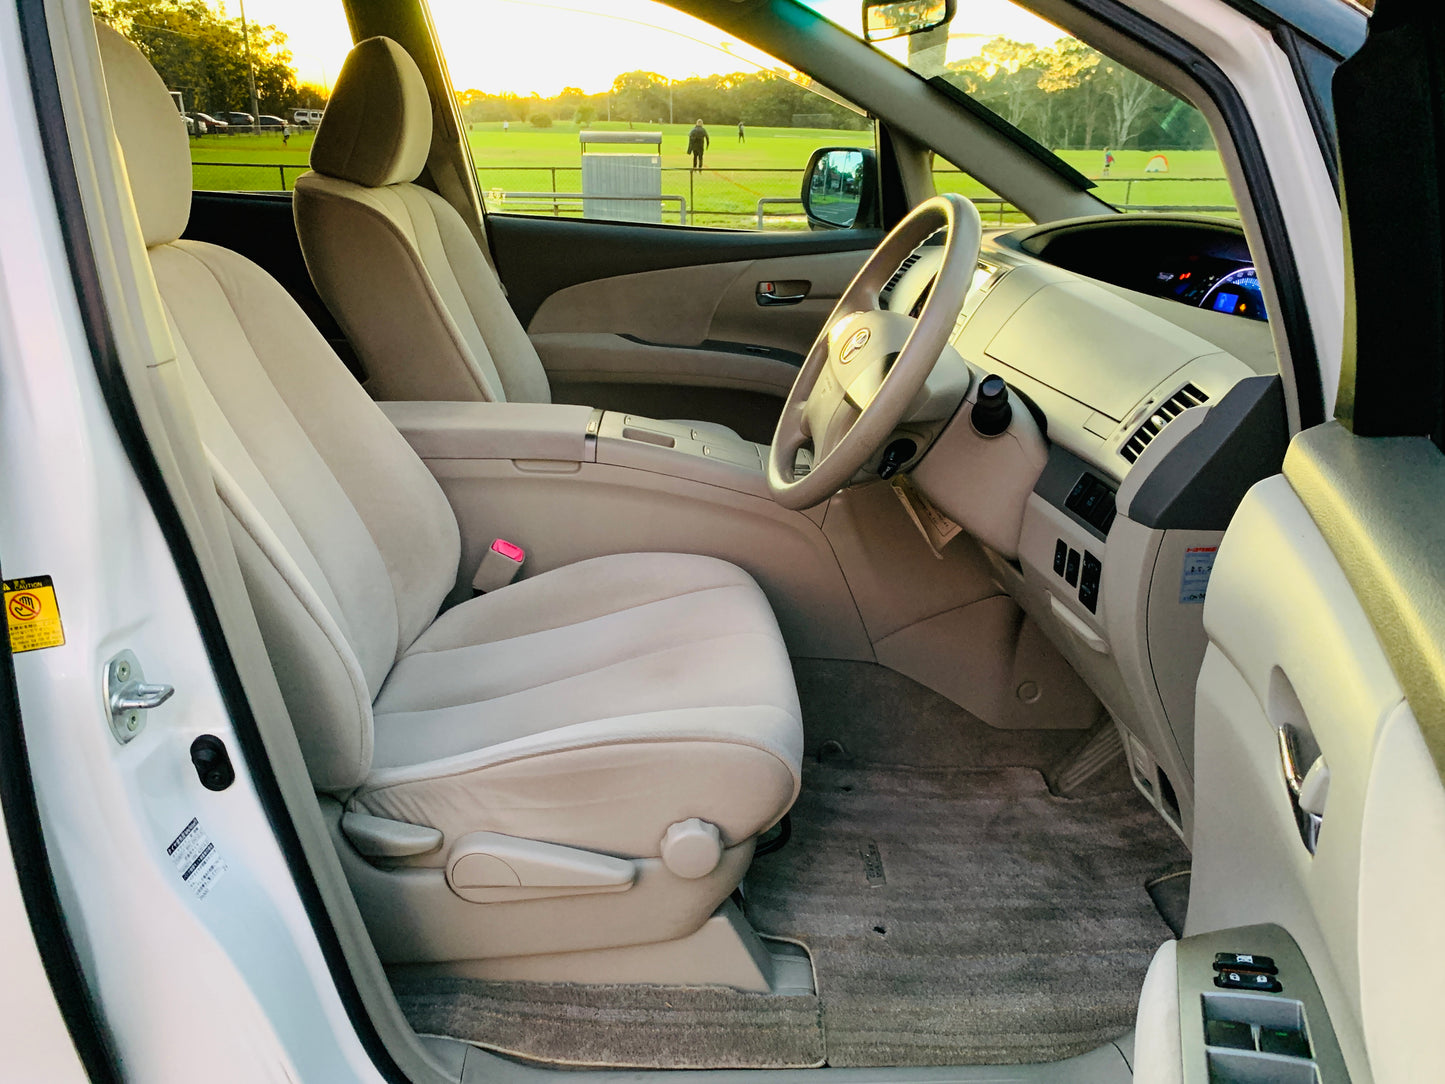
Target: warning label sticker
{"x": 32, "y": 614}
{"x": 196, "y": 859}
{"x": 1194, "y": 580}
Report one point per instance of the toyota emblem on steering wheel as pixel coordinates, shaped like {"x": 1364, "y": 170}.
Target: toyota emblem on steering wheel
{"x": 858, "y": 341}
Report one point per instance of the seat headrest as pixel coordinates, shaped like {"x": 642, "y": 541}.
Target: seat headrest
{"x": 377, "y": 127}
{"x": 152, "y": 137}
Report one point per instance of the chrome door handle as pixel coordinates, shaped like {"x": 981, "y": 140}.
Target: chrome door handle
{"x": 1308, "y": 788}
{"x": 767, "y": 294}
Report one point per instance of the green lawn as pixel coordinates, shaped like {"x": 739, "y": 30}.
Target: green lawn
{"x": 724, "y": 193}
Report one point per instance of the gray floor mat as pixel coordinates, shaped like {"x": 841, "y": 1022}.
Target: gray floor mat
{"x": 1012, "y": 926}
{"x": 619, "y": 1026}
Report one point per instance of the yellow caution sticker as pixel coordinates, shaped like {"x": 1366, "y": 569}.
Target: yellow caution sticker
{"x": 32, "y": 614}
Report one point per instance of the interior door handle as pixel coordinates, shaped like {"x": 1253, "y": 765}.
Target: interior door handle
{"x": 1309, "y": 788}
{"x": 782, "y": 293}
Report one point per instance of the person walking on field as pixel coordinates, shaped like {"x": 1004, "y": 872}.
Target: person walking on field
{"x": 1108, "y": 161}
{"x": 697, "y": 142}
{"x": 742, "y": 137}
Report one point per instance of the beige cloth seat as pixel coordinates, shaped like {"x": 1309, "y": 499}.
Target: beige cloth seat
{"x": 593, "y": 706}
{"x": 394, "y": 262}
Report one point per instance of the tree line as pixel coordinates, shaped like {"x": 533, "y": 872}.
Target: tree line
{"x": 202, "y": 54}
{"x": 764, "y": 98}
{"x": 1065, "y": 95}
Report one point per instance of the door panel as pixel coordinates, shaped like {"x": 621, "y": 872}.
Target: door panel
{"x": 1291, "y": 645}
{"x": 536, "y": 257}
{"x": 686, "y": 339}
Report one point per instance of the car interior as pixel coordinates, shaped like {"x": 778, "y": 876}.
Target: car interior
{"x": 688, "y": 681}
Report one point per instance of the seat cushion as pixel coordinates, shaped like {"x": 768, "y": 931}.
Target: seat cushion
{"x": 594, "y": 706}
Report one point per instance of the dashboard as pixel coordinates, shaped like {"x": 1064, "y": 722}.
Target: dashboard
{"x": 1112, "y": 332}
{"x": 1201, "y": 264}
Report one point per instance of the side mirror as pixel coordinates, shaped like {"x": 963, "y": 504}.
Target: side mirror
{"x": 886, "y": 19}
{"x": 840, "y": 189}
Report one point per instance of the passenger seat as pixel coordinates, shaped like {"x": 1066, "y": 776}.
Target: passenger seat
{"x": 513, "y": 771}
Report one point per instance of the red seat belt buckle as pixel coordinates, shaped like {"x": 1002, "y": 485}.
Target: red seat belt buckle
{"x": 500, "y": 565}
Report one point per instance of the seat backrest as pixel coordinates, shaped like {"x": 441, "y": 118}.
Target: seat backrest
{"x": 394, "y": 262}
{"x": 346, "y": 542}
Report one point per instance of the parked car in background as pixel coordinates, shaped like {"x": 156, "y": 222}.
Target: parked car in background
{"x": 237, "y": 120}
{"x": 268, "y": 122}
{"x": 306, "y": 118}
{"x": 204, "y": 123}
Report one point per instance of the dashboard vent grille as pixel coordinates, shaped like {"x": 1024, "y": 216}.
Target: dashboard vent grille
{"x": 911, "y": 259}
{"x": 1186, "y": 397}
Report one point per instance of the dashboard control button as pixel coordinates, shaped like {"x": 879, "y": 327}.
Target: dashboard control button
{"x": 1061, "y": 554}
{"x": 1287, "y": 1041}
{"x": 1235, "y": 1034}
{"x": 1091, "y": 499}
{"x": 1089, "y": 582}
{"x": 1071, "y": 569}
{"x": 1246, "y": 960}
{"x": 1247, "y": 980}
{"x": 1071, "y": 502}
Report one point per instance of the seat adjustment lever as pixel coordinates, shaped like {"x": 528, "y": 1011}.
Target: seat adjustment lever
{"x": 488, "y": 867}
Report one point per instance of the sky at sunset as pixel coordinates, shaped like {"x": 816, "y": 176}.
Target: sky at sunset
{"x": 585, "y": 43}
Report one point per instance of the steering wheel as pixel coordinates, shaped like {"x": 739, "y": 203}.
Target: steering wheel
{"x": 868, "y": 364}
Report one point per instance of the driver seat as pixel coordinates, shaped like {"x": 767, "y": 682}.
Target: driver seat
{"x": 394, "y": 262}
{"x": 556, "y": 732}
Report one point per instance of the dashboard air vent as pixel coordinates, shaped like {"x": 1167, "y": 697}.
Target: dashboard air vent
{"x": 1186, "y": 397}
{"x": 911, "y": 259}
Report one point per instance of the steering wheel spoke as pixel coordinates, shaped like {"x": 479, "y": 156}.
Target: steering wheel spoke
{"x": 869, "y": 363}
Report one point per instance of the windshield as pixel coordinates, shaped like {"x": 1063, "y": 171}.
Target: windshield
{"x": 1144, "y": 148}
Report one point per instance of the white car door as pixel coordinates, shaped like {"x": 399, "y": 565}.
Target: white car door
{"x": 1320, "y": 734}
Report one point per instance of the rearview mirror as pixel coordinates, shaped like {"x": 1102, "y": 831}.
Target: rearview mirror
{"x": 900, "y": 18}
{"x": 840, "y": 189}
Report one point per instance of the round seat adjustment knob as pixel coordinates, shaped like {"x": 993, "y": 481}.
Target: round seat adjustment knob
{"x": 691, "y": 848}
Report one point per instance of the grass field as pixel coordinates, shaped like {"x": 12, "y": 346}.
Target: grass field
{"x": 725, "y": 193}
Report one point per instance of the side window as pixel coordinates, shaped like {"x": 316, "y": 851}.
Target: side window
{"x": 210, "y": 60}
{"x": 631, "y": 111}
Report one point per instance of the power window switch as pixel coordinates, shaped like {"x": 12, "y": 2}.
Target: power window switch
{"x": 1061, "y": 553}
{"x": 1089, "y": 582}
{"x": 1230, "y": 979}
{"x": 1287, "y": 1041}
{"x": 1247, "y": 960}
{"x": 1235, "y": 1034}
{"x": 1071, "y": 569}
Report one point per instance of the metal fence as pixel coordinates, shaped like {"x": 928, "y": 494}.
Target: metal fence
{"x": 753, "y": 198}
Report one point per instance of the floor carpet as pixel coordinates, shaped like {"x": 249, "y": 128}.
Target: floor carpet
{"x": 632, "y": 1027}
{"x": 1004, "y": 925}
